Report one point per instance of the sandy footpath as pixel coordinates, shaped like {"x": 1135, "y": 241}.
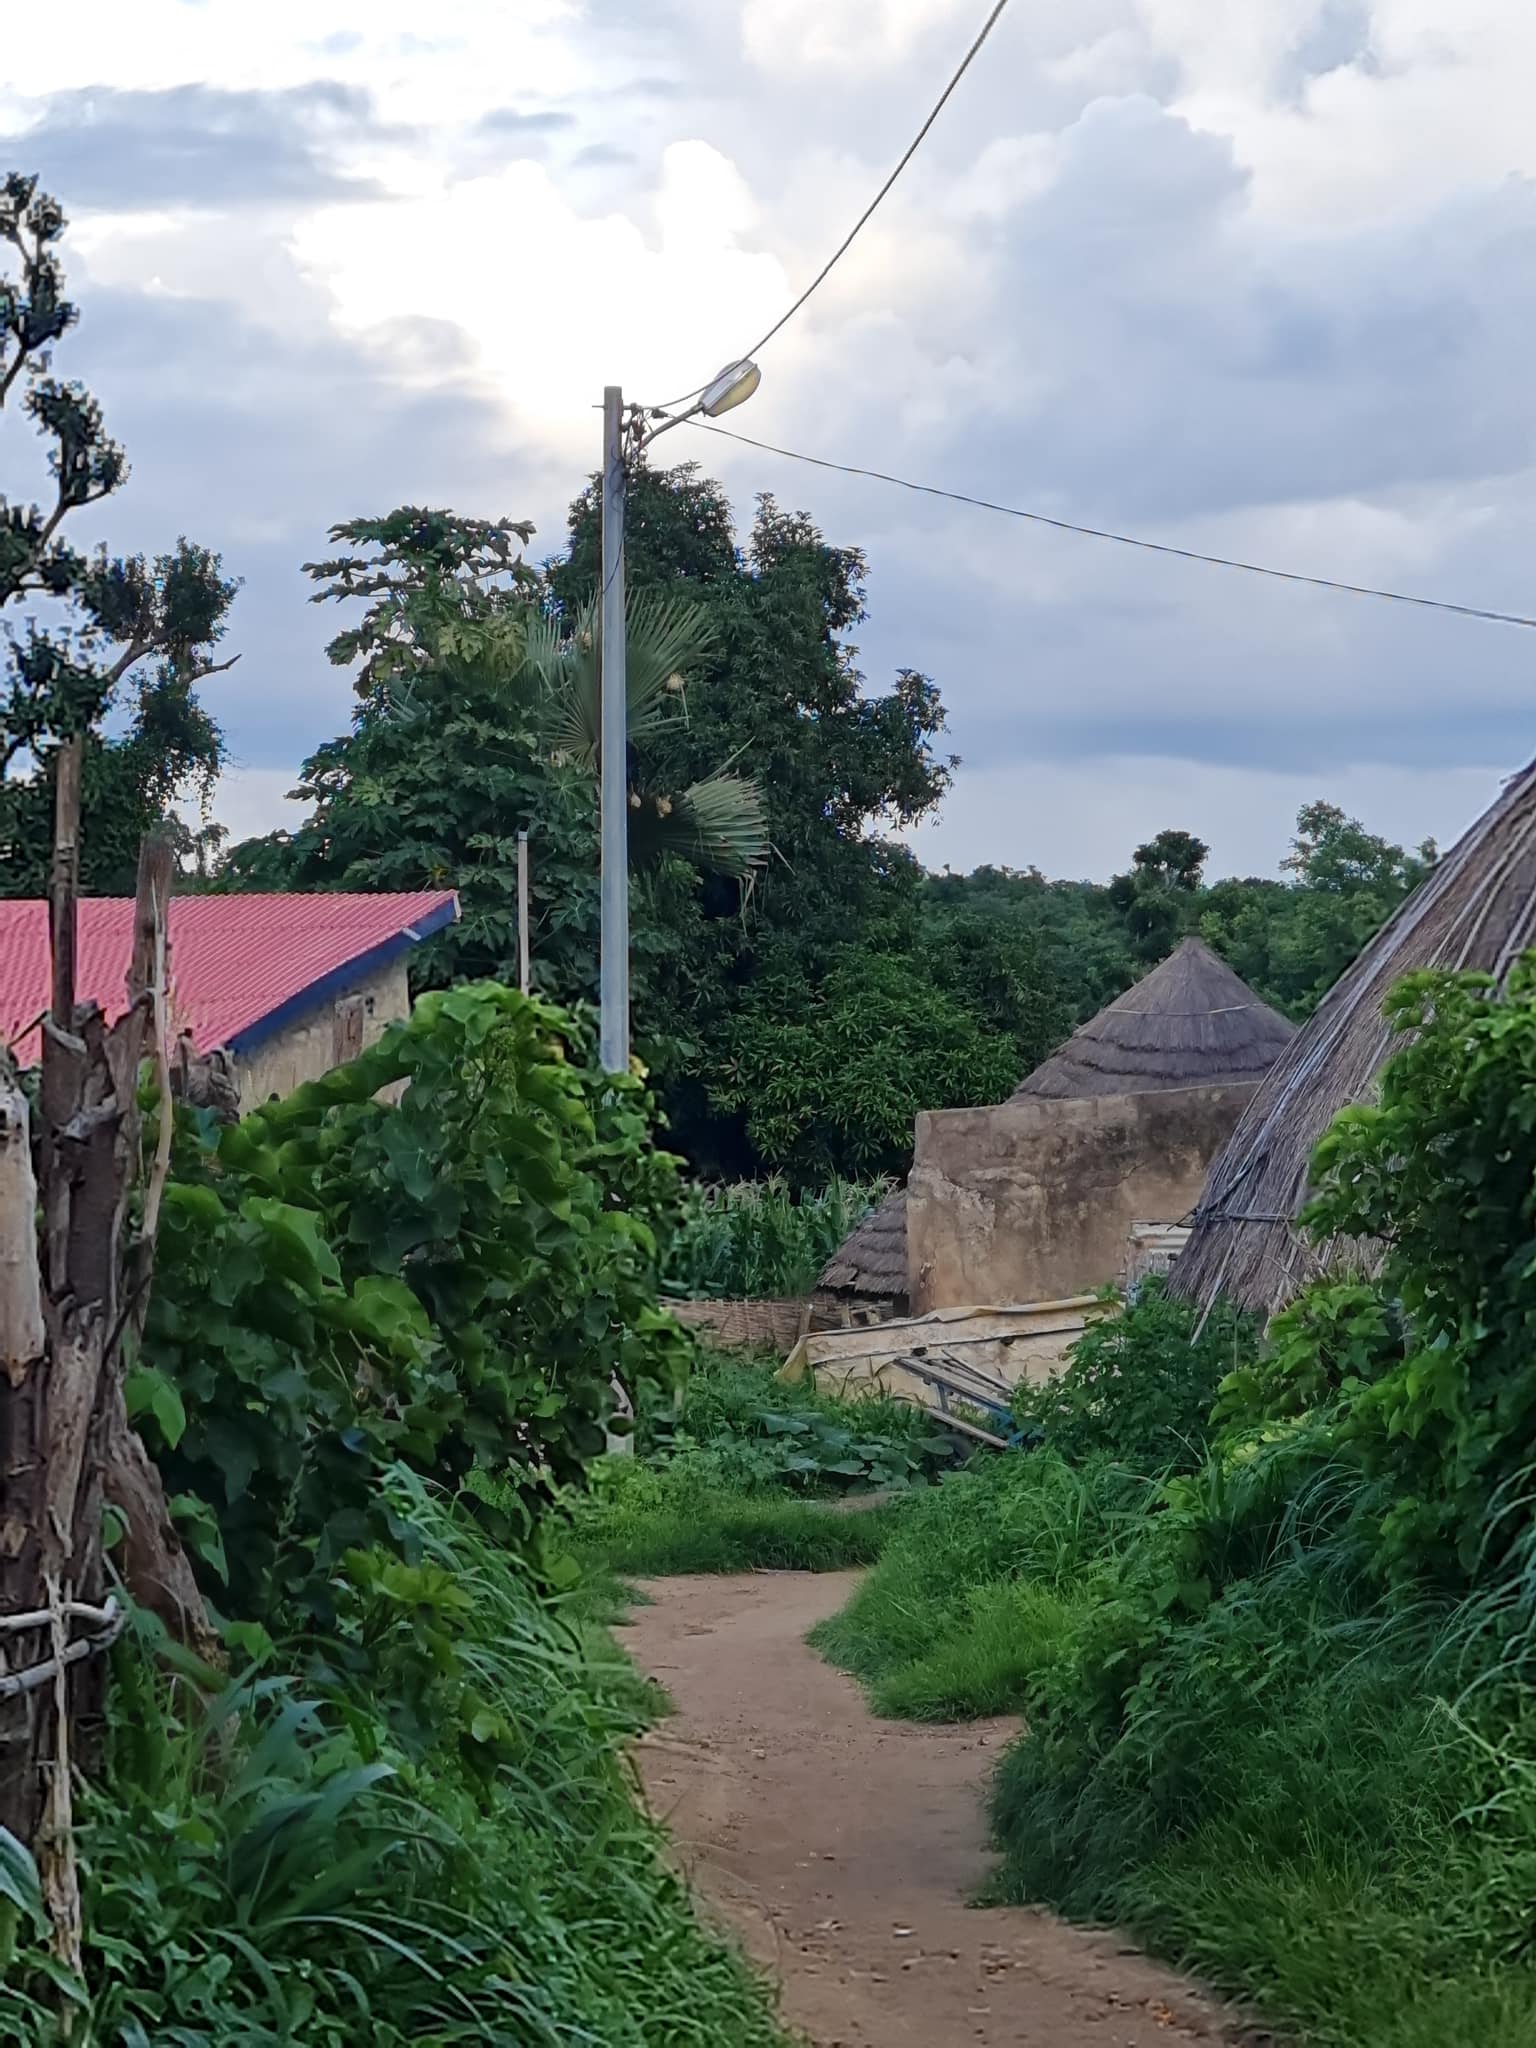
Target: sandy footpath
{"x": 842, "y": 1849}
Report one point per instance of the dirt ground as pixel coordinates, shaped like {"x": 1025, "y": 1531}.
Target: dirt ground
{"x": 842, "y": 1849}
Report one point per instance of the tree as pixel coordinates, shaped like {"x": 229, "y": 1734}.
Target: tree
{"x": 75, "y": 1259}
{"x": 108, "y": 631}
{"x": 1293, "y": 940}
{"x": 845, "y": 767}
{"x": 478, "y": 718}
{"x": 1156, "y": 898}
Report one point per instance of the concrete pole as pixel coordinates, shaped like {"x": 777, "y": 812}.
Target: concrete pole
{"x": 614, "y": 934}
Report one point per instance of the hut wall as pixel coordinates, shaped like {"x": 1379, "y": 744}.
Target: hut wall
{"x": 1035, "y": 1200}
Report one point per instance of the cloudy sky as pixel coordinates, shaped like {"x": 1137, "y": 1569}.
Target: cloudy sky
{"x": 1256, "y": 277}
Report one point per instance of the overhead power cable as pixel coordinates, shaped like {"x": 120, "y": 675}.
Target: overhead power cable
{"x": 1125, "y": 540}
{"x": 848, "y": 240}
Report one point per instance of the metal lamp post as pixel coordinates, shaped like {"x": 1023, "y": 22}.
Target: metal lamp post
{"x": 732, "y": 387}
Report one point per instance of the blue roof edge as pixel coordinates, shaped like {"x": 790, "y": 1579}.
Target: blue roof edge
{"x": 337, "y": 980}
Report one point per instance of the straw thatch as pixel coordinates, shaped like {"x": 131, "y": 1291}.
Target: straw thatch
{"x": 1477, "y": 909}
{"x": 869, "y": 1268}
{"x": 764, "y": 1324}
{"x": 1190, "y": 1023}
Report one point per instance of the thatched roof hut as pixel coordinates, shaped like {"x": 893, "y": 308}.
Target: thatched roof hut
{"x": 1477, "y": 909}
{"x": 1190, "y": 1023}
{"x": 867, "y": 1274}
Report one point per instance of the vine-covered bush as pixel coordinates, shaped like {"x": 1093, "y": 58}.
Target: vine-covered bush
{"x": 1140, "y": 1385}
{"x": 446, "y": 1280}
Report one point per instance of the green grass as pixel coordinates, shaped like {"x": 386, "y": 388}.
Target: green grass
{"x": 654, "y": 1522}
{"x": 976, "y": 1587}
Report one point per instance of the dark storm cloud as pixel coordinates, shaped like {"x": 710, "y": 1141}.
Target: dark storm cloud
{"x": 198, "y": 146}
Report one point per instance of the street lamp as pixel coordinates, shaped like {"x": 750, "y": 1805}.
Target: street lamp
{"x": 733, "y": 386}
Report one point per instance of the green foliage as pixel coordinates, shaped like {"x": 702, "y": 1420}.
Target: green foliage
{"x": 449, "y": 1279}
{"x": 832, "y": 1077}
{"x": 756, "y": 1240}
{"x": 115, "y": 634}
{"x": 751, "y": 1431}
{"x": 972, "y": 1593}
{"x": 1139, "y": 1385}
{"x": 689, "y": 1516}
{"x": 455, "y": 1861}
{"x": 738, "y": 1472}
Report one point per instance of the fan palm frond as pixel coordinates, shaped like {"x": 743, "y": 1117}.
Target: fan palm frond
{"x": 719, "y": 823}
{"x": 665, "y": 637}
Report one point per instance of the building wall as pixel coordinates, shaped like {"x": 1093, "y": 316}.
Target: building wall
{"x": 307, "y": 1048}
{"x": 1035, "y": 1200}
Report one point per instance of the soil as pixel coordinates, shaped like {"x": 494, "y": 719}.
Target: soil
{"x": 843, "y": 1850}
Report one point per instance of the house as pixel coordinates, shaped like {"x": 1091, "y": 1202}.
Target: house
{"x": 287, "y": 986}
{"x": 1042, "y": 1198}
{"x": 1191, "y": 1024}
{"x": 1475, "y": 910}
{"x": 865, "y": 1280}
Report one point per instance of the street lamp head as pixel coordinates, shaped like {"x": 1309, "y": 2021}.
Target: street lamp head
{"x": 733, "y": 386}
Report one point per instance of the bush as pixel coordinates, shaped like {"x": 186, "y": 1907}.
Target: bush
{"x": 1139, "y": 1386}
{"x": 448, "y": 1280}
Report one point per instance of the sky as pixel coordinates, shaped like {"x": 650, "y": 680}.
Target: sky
{"x": 1255, "y": 278}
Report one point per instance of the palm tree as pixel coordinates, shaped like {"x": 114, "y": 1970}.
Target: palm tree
{"x": 719, "y": 823}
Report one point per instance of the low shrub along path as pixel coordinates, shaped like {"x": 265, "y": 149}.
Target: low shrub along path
{"x": 843, "y": 1849}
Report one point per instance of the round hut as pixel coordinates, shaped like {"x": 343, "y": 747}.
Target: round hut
{"x": 1189, "y": 1023}
{"x": 865, "y": 1280}
{"x": 1477, "y": 910}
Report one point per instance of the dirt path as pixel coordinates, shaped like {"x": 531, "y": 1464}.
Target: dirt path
{"x": 842, "y": 1848}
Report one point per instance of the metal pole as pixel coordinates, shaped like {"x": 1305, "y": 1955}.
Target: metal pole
{"x": 522, "y": 911}
{"x": 614, "y": 933}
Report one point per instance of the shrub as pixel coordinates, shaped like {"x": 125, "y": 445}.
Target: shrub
{"x": 1139, "y": 1386}
{"x": 448, "y": 1279}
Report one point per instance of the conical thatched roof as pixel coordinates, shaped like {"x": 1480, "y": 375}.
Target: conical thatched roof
{"x": 1477, "y": 909}
{"x": 1190, "y": 1023}
{"x": 871, "y": 1262}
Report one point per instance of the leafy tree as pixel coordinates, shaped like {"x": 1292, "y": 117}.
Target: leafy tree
{"x": 110, "y": 635}
{"x": 1293, "y": 941}
{"x": 478, "y": 718}
{"x": 845, "y": 768}
{"x": 831, "y": 1077}
{"x": 1157, "y": 898}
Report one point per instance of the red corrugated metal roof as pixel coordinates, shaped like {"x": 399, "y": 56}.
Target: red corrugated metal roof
{"x": 235, "y": 960}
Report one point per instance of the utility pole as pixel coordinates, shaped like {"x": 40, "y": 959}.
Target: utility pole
{"x": 614, "y": 932}
{"x": 735, "y": 383}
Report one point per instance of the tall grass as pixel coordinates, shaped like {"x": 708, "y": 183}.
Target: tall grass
{"x": 336, "y": 1861}
{"x": 759, "y": 1240}
{"x": 981, "y": 1582}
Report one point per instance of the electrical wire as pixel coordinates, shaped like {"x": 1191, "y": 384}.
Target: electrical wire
{"x": 1125, "y": 540}
{"x": 848, "y": 240}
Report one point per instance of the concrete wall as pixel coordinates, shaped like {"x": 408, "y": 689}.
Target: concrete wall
{"x": 1034, "y": 1201}
{"x": 308, "y": 1047}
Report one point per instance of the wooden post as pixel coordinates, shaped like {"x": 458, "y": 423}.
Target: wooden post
{"x": 522, "y": 911}
{"x": 64, "y": 883}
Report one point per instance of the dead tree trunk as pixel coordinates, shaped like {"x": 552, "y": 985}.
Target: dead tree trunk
{"x": 65, "y": 1443}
